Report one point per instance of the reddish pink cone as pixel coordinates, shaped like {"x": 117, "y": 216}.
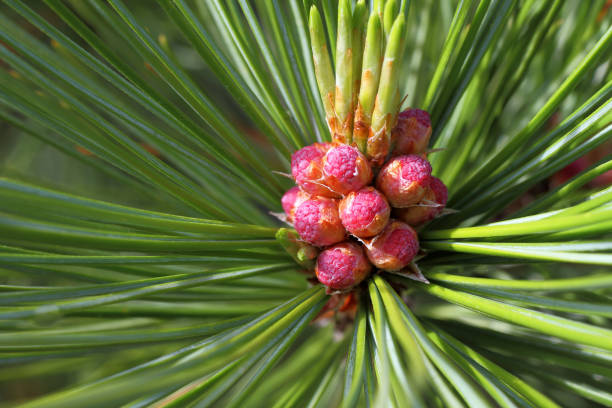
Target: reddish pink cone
{"x": 291, "y": 201}
{"x": 394, "y": 248}
{"x": 364, "y": 213}
{"x": 318, "y": 223}
{"x": 346, "y": 169}
{"x": 412, "y": 132}
{"x": 440, "y": 190}
{"x": 426, "y": 210}
{"x": 342, "y": 266}
{"x": 419, "y": 213}
{"x": 307, "y": 169}
{"x": 404, "y": 180}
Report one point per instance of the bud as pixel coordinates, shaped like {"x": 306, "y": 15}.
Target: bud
{"x": 387, "y": 101}
{"x": 342, "y": 266}
{"x": 404, "y": 180}
{"x": 318, "y": 223}
{"x": 432, "y": 204}
{"x": 440, "y": 191}
{"x": 291, "y": 201}
{"x": 346, "y": 169}
{"x": 378, "y": 147}
{"x": 394, "y": 248}
{"x": 364, "y": 213}
{"x": 303, "y": 253}
{"x": 307, "y": 169}
{"x": 418, "y": 214}
{"x": 412, "y": 132}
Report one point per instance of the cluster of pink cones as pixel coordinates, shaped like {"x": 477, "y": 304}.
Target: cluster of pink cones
{"x": 359, "y": 216}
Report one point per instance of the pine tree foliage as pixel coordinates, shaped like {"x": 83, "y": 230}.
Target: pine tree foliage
{"x": 144, "y": 145}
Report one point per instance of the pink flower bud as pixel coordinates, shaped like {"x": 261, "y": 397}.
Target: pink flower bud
{"x": 307, "y": 169}
{"x": 346, "y": 169}
{"x": 318, "y": 223}
{"x": 291, "y": 201}
{"x": 364, "y": 213}
{"x": 342, "y": 266}
{"x": 432, "y": 204}
{"x": 419, "y": 213}
{"x": 440, "y": 191}
{"x": 412, "y": 132}
{"x": 394, "y": 248}
{"x": 404, "y": 180}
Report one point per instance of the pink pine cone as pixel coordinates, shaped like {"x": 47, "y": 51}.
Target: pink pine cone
{"x": 394, "y": 248}
{"x": 318, "y": 222}
{"x": 346, "y": 169}
{"x": 419, "y": 213}
{"x": 422, "y": 213}
{"x": 307, "y": 169}
{"x": 342, "y": 266}
{"x": 404, "y": 180}
{"x": 412, "y": 132}
{"x": 291, "y": 201}
{"x": 440, "y": 191}
{"x": 364, "y": 213}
